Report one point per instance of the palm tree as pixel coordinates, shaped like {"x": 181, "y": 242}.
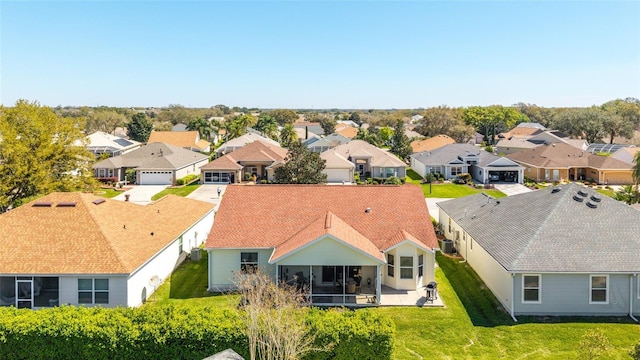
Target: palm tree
{"x": 288, "y": 135}
{"x": 202, "y": 126}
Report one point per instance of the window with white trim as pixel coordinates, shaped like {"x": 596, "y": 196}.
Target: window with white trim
{"x": 420, "y": 265}
{"x": 406, "y": 267}
{"x": 531, "y": 288}
{"x": 93, "y": 291}
{"x": 180, "y": 247}
{"x": 599, "y": 289}
{"x": 248, "y": 262}
{"x": 390, "y": 265}
{"x": 455, "y": 170}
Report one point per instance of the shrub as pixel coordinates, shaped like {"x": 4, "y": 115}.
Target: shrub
{"x": 247, "y": 176}
{"x": 367, "y": 174}
{"x": 635, "y": 352}
{"x": 356, "y": 177}
{"x": 176, "y": 332}
{"x": 263, "y": 181}
{"x": 393, "y": 180}
{"x": 187, "y": 179}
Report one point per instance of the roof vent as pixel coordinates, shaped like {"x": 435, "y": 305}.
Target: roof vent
{"x": 595, "y": 198}
{"x": 42, "y": 204}
{"x": 98, "y": 201}
{"x": 577, "y": 198}
{"x": 66, "y": 204}
{"x": 582, "y": 193}
{"x": 367, "y": 210}
{"x": 591, "y": 205}
{"x": 555, "y": 190}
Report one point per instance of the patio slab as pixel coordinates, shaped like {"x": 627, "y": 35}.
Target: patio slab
{"x": 393, "y": 297}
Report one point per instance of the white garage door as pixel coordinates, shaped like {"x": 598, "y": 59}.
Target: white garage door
{"x": 156, "y": 178}
{"x": 337, "y": 175}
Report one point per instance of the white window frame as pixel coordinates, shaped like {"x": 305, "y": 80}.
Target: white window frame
{"x": 638, "y": 287}
{"x": 455, "y": 170}
{"x": 93, "y": 291}
{"x": 606, "y": 289}
{"x": 391, "y": 263}
{"x": 539, "y": 288}
{"x": 406, "y": 267}
{"x": 421, "y": 265}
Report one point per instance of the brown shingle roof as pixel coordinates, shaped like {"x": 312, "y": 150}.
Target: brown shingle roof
{"x": 267, "y": 216}
{"x": 183, "y": 139}
{"x": 431, "y": 143}
{"x": 255, "y": 151}
{"x": 564, "y": 155}
{"x": 112, "y": 237}
{"x": 348, "y": 131}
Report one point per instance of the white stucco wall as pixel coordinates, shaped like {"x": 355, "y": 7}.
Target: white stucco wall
{"x": 407, "y": 249}
{"x": 68, "y": 289}
{"x": 418, "y": 167}
{"x": 191, "y": 169}
{"x": 328, "y": 251}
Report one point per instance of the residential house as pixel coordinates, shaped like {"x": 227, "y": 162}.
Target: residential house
{"x": 347, "y": 131}
{"x": 411, "y": 134}
{"x": 626, "y": 154}
{"x": 606, "y": 149}
{"x": 104, "y": 144}
{"x": 416, "y": 118}
{"x": 254, "y": 159}
{"x": 454, "y": 159}
{"x": 370, "y": 161}
{"x": 349, "y": 123}
{"x": 325, "y": 143}
{"x": 558, "y": 251}
{"x": 185, "y": 139}
{"x": 560, "y": 161}
{"x": 93, "y": 251}
{"x": 337, "y": 167}
{"x": 155, "y": 164}
{"x": 179, "y": 127}
{"x": 431, "y": 143}
{"x": 514, "y": 144}
{"x": 241, "y": 141}
{"x": 344, "y": 245}
{"x": 311, "y": 127}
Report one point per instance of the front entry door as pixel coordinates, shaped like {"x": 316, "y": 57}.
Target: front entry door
{"x": 24, "y": 291}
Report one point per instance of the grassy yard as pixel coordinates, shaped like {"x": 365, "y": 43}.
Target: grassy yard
{"x": 473, "y": 325}
{"x": 448, "y": 190}
{"x": 108, "y": 193}
{"x": 180, "y": 191}
{"x": 607, "y": 192}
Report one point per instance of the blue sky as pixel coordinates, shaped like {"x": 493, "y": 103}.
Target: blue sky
{"x": 300, "y": 54}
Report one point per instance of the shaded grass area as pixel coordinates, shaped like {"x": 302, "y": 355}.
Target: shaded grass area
{"x": 180, "y": 191}
{"x": 474, "y": 326}
{"x": 607, "y": 192}
{"x": 189, "y": 284}
{"x": 107, "y": 193}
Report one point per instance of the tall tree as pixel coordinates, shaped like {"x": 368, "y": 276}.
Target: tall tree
{"x": 368, "y": 136}
{"x": 585, "y": 123}
{"x": 443, "y": 120}
{"x": 267, "y": 125}
{"x": 139, "y": 128}
{"x": 104, "y": 120}
{"x": 202, "y": 126}
{"x": 355, "y": 117}
{"x": 636, "y": 176}
{"x": 400, "y": 144}
{"x": 537, "y": 114}
{"x": 302, "y": 166}
{"x": 284, "y": 116}
{"x": 328, "y": 125}
{"x": 238, "y": 126}
{"x": 624, "y": 117}
{"x": 40, "y": 152}
{"x": 491, "y": 120}
{"x": 288, "y": 136}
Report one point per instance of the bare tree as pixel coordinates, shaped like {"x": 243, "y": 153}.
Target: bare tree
{"x": 274, "y": 315}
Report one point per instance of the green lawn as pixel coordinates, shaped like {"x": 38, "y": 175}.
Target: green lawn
{"x": 180, "y": 191}
{"x": 108, "y": 193}
{"x": 448, "y": 190}
{"x": 607, "y": 192}
{"x": 473, "y": 325}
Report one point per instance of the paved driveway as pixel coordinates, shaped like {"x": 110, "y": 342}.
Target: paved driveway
{"x": 141, "y": 194}
{"x": 512, "y": 189}
{"x": 208, "y": 193}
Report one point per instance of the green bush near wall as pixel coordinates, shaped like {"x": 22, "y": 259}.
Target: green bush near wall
{"x": 175, "y": 332}
{"x": 187, "y": 179}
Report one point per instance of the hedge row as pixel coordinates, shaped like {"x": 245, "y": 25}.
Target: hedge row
{"x": 187, "y": 179}
{"x": 175, "y": 332}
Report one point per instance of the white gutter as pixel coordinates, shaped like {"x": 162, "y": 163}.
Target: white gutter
{"x": 631, "y": 297}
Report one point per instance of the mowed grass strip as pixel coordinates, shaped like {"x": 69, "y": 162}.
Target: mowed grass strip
{"x": 180, "y": 191}
{"x": 108, "y": 193}
{"x": 448, "y": 190}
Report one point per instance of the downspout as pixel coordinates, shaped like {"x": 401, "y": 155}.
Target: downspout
{"x": 631, "y": 297}
{"x": 513, "y": 294}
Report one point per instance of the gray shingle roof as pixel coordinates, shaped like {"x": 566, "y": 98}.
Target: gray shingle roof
{"x": 448, "y": 154}
{"x": 546, "y": 231}
{"x": 156, "y": 156}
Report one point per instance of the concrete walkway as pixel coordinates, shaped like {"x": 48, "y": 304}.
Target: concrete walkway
{"x": 141, "y": 194}
{"x": 512, "y": 189}
{"x": 434, "y": 210}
